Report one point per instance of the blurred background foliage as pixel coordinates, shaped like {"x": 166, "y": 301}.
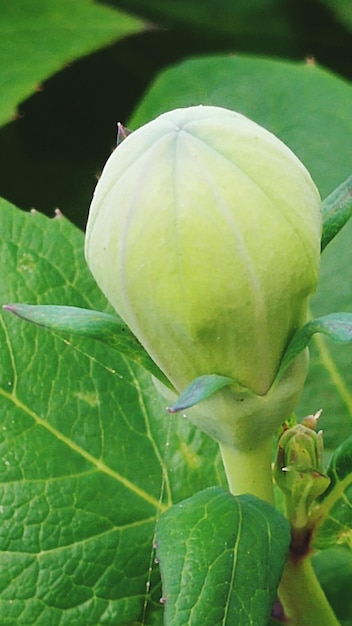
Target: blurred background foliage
{"x": 71, "y": 69}
{"x": 53, "y": 148}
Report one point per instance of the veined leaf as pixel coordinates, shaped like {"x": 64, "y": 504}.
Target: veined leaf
{"x": 89, "y": 456}
{"x": 209, "y": 547}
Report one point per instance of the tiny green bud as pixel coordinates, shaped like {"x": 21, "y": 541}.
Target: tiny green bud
{"x": 298, "y": 469}
{"x": 204, "y": 234}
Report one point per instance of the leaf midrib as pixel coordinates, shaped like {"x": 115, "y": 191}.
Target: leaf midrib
{"x": 98, "y": 464}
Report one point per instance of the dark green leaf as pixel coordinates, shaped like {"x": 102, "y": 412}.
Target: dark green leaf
{"x": 337, "y": 210}
{"x": 334, "y": 570}
{"x": 342, "y": 10}
{"x": 337, "y": 326}
{"x": 334, "y": 515}
{"x": 39, "y": 37}
{"x": 104, "y": 327}
{"x": 221, "y": 558}
{"x": 200, "y": 389}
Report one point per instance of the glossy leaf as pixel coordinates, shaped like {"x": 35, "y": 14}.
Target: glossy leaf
{"x": 89, "y": 456}
{"x": 39, "y": 37}
{"x": 104, "y": 327}
{"x": 209, "y": 547}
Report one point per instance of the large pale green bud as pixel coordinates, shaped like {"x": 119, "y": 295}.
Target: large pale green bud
{"x": 204, "y": 234}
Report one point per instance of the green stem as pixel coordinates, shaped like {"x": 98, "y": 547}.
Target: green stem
{"x": 250, "y": 471}
{"x": 302, "y": 597}
{"x": 303, "y": 600}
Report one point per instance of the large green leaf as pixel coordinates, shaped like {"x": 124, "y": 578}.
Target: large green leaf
{"x": 310, "y": 110}
{"x": 38, "y": 37}
{"x": 89, "y": 455}
{"x": 209, "y": 547}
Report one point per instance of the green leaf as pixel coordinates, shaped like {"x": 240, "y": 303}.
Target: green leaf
{"x": 39, "y": 37}
{"x": 337, "y": 210}
{"x": 337, "y": 326}
{"x": 104, "y": 327}
{"x": 341, "y": 9}
{"x": 334, "y": 570}
{"x": 221, "y": 558}
{"x": 88, "y": 455}
{"x": 334, "y": 515}
{"x": 200, "y": 389}
{"x": 295, "y": 101}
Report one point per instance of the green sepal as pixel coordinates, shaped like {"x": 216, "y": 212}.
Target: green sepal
{"x": 337, "y": 210}
{"x": 104, "y": 327}
{"x": 200, "y": 389}
{"x": 337, "y": 326}
{"x": 298, "y": 471}
{"x": 122, "y": 133}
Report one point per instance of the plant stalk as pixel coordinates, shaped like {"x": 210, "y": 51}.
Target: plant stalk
{"x": 302, "y": 598}
{"x": 250, "y": 471}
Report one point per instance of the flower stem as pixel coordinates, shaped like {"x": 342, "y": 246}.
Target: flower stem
{"x": 250, "y": 471}
{"x": 302, "y": 598}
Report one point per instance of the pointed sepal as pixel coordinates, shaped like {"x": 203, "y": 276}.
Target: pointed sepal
{"x": 337, "y": 326}
{"x": 200, "y": 389}
{"x": 122, "y": 133}
{"x": 337, "y": 210}
{"x": 104, "y": 327}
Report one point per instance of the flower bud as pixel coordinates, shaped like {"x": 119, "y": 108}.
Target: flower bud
{"x": 204, "y": 234}
{"x": 298, "y": 470}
